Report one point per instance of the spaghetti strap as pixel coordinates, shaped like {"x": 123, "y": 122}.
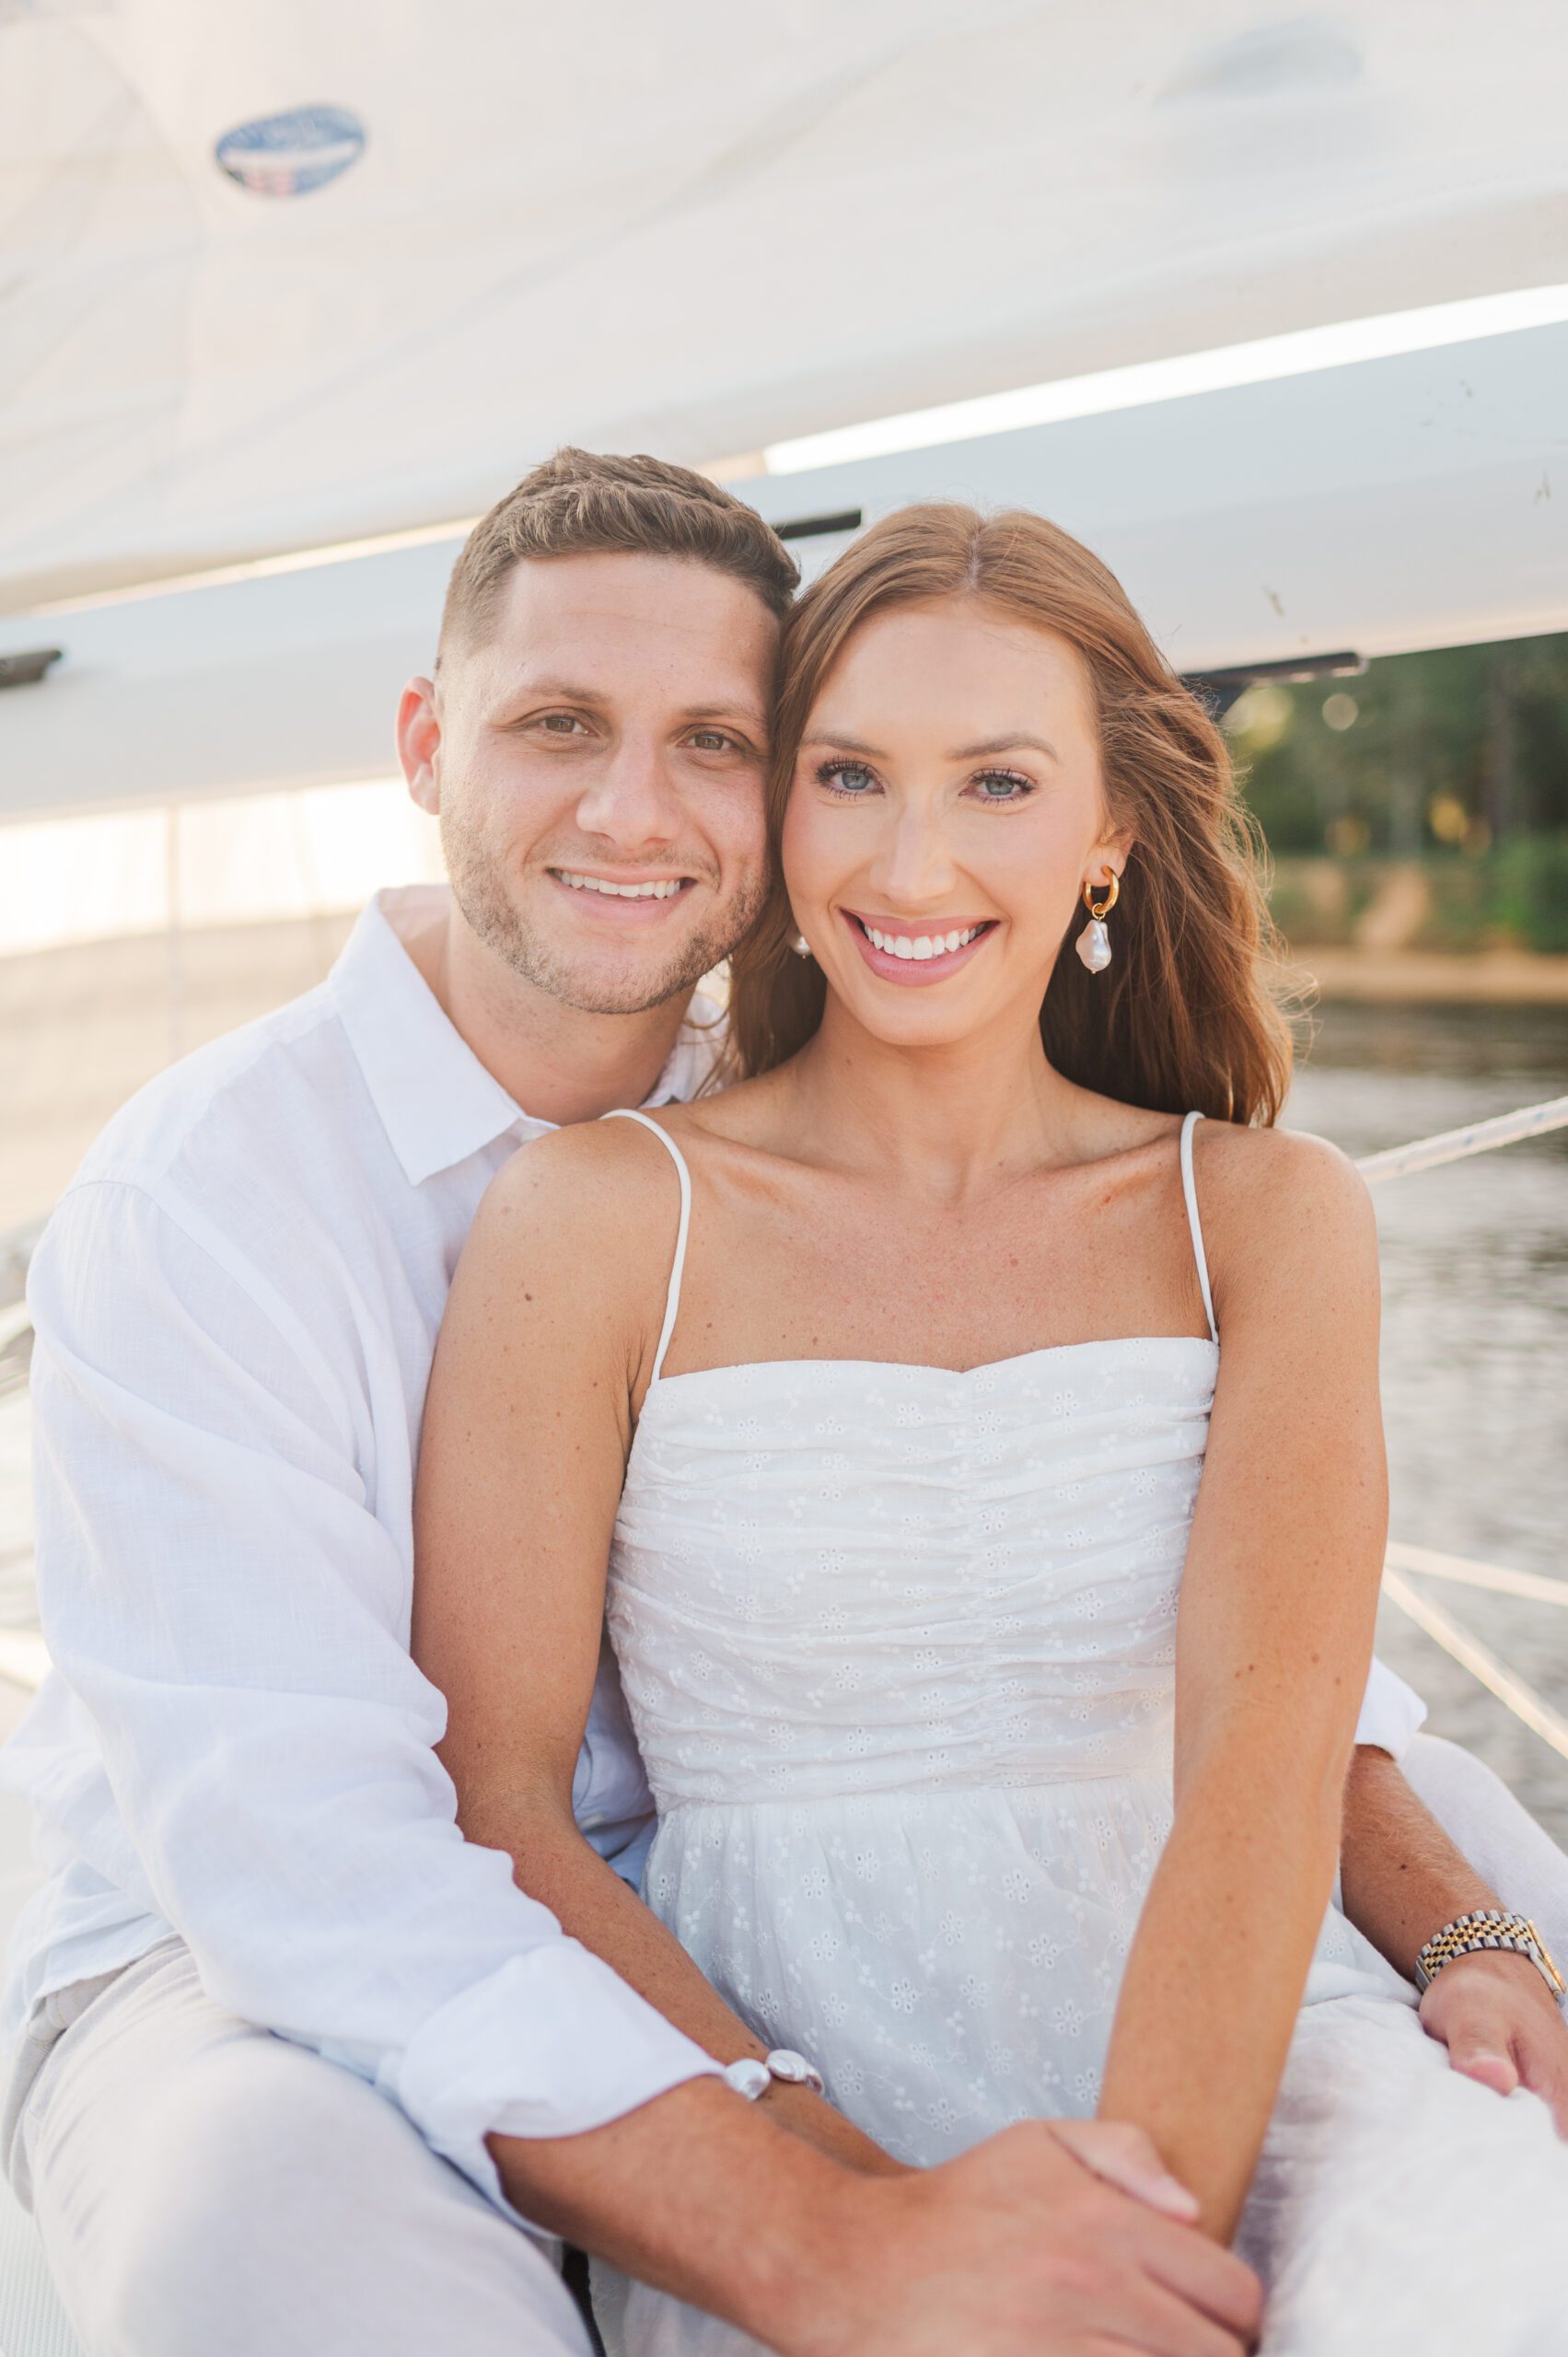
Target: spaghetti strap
{"x": 1195, "y": 1222}
{"x": 673, "y": 1302}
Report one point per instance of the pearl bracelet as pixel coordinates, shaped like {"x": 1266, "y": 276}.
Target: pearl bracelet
{"x": 752, "y": 2078}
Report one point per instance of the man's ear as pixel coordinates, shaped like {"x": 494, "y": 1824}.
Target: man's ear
{"x": 418, "y": 742}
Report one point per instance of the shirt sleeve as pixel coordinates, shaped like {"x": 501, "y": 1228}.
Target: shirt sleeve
{"x": 1391, "y": 1712}
{"x": 216, "y": 1590}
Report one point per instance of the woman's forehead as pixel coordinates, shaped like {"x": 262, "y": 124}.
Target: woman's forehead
{"x": 963, "y": 651}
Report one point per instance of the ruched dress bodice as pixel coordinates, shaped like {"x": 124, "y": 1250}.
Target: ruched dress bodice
{"x": 839, "y": 1578}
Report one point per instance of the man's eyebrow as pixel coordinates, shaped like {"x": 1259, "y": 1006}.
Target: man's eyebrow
{"x": 751, "y": 713}
{"x": 554, "y": 692}
{"x": 537, "y": 691}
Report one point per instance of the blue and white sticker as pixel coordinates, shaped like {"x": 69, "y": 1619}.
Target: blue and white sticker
{"x": 289, "y": 155}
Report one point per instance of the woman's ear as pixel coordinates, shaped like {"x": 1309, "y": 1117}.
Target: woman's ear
{"x": 1110, "y": 855}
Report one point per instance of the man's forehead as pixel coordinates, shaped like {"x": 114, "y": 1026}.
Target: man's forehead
{"x": 608, "y": 626}
{"x": 608, "y": 593}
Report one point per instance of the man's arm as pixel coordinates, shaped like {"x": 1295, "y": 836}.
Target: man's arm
{"x": 217, "y": 1592}
{"x": 1402, "y": 1879}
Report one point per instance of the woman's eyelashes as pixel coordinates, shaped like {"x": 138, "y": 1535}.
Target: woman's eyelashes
{"x": 852, "y": 779}
{"x": 855, "y": 781}
{"x": 1002, "y": 786}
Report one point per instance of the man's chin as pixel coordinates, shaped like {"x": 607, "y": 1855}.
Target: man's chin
{"x": 599, "y": 976}
{"x": 613, "y": 980}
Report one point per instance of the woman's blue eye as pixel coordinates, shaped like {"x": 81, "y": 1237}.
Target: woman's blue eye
{"x": 1002, "y": 786}
{"x": 848, "y": 777}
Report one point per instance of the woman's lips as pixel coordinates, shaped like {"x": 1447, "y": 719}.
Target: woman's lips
{"x": 917, "y": 958}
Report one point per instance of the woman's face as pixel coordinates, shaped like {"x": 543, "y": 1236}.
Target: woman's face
{"x": 946, "y": 811}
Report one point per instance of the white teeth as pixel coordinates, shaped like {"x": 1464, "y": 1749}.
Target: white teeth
{"x": 920, "y": 945}
{"x": 665, "y": 891}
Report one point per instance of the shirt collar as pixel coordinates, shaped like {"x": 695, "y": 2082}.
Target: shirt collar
{"x": 435, "y": 1100}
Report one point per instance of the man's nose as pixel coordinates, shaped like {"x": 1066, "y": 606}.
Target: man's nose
{"x": 632, "y": 800}
{"x": 914, "y": 866}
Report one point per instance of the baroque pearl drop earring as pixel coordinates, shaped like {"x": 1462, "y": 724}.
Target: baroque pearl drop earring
{"x": 800, "y": 945}
{"x": 1094, "y": 943}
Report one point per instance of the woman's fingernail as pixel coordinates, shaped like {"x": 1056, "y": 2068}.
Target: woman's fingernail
{"x": 1172, "y": 2195}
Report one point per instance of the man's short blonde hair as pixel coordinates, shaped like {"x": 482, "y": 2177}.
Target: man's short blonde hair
{"x": 578, "y": 502}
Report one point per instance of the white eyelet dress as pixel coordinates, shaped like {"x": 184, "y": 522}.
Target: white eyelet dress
{"x": 899, "y": 1646}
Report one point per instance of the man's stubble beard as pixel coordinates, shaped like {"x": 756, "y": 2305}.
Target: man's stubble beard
{"x": 481, "y": 895}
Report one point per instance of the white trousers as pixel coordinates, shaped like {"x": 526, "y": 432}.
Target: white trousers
{"x": 204, "y": 2188}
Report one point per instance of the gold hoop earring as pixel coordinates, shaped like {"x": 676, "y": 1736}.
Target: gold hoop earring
{"x": 1094, "y": 943}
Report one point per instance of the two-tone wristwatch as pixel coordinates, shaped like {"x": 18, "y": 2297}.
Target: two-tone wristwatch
{"x": 1487, "y": 1927}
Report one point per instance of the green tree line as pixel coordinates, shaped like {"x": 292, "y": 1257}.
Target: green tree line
{"x": 1455, "y": 762}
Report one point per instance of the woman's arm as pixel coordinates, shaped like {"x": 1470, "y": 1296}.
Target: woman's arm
{"x": 1275, "y": 1634}
{"x": 527, "y": 1428}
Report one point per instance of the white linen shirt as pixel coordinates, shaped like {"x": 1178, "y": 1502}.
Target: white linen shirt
{"x": 236, "y": 1305}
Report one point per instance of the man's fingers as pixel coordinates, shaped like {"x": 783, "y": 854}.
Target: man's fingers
{"x": 1124, "y": 2156}
{"x": 1543, "y": 2067}
{"x": 1205, "y": 2275}
{"x": 1161, "y": 2321}
{"x": 1480, "y": 2047}
{"x": 1484, "y": 2063}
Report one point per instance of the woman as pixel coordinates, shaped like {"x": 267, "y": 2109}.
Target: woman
{"x": 883, "y": 1396}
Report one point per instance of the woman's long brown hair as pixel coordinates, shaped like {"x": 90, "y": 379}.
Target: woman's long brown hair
{"x": 1182, "y": 1017}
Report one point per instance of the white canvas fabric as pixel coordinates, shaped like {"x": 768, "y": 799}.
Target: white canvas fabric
{"x": 332, "y": 274}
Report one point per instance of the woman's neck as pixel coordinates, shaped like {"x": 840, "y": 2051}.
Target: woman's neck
{"x": 945, "y": 1123}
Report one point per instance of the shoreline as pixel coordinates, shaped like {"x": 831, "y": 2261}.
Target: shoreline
{"x": 1430, "y": 976}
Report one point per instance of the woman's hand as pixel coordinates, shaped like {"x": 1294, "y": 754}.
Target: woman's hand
{"x": 1501, "y": 2025}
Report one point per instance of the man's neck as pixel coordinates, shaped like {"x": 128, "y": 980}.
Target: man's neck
{"x": 555, "y": 1062}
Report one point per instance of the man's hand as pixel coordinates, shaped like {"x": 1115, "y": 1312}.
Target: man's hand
{"x": 1501, "y": 2025}
{"x": 1029, "y": 2247}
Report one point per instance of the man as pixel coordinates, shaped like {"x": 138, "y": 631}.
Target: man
{"x": 296, "y": 2062}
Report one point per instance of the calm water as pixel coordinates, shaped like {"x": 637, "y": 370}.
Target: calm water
{"x": 1475, "y": 1349}
{"x": 1475, "y": 1361}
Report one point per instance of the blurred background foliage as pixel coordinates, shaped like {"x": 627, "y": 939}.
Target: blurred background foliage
{"x": 1422, "y": 805}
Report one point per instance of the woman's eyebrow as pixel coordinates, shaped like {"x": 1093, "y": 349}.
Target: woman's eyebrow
{"x": 1007, "y": 743}
{"x": 841, "y": 745}
{"x": 1010, "y": 742}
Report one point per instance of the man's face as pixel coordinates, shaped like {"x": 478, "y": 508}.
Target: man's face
{"x": 596, "y": 761}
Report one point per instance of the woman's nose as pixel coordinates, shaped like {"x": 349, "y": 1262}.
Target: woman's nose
{"x": 914, "y": 866}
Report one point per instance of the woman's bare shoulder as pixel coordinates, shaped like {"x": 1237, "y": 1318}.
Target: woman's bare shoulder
{"x": 1283, "y": 1204}
{"x": 595, "y": 1200}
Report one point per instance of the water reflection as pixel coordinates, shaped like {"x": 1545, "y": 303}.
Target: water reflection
{"x": 1475, "y": 1353}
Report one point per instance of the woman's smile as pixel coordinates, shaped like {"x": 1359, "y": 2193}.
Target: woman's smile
{"x": 901, "y": 949}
